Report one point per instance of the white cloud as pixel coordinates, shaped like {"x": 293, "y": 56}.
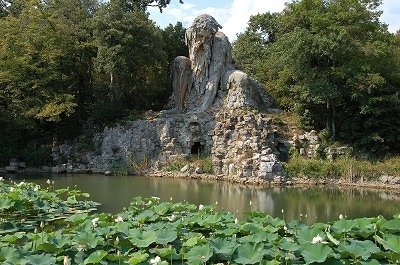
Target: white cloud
{"x": 391, "y": 14}
{"x": 241, "y": 11}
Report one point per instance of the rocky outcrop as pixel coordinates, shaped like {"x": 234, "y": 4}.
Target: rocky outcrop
{"x": 246, "y": 144}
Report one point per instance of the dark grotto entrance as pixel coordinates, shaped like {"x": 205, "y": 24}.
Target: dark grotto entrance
{"x": 197, "y": 149}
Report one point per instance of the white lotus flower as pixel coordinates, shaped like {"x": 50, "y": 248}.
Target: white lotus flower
{"x": 67, "y": 260}
{"x": 1, "y": 178}
{"x": 317, "y": 239}
{"x": 201, "y": 207}
{"x": 119, "y": 219}
{"x": 341, "y": 217}
{"x": 48, "y": 181}
{"x": 236, "y": 221}
{"x": 155, "y": 261}
{"x": 172, "y": 218}
{"x": 21, "y": 184}
{"x": 95, "y": 221}
{"x": 250, "y": 203}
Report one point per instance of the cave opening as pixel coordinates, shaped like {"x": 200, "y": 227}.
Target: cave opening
{"x": 197, "y": 149}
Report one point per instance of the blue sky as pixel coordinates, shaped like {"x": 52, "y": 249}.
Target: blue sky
{"x": 233, "y": 15}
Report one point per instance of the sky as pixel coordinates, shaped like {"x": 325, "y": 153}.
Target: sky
{"x": 233, "y": 15}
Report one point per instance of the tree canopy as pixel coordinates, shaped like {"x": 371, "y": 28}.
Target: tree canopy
{"x": 334, "y": 64}
{"x": 66, "y": 62}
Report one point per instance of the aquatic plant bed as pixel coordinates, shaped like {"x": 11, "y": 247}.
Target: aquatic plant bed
{"x": 40, "y": 225}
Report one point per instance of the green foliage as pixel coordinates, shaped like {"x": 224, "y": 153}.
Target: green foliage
{"x": 344, "y": 168}
{"x": 334, "y": 64}
{"x": 203, "y": 162}
{"x": 120, "y": 168}
{"x": 150, "y": 231}
{"x": 64, "y": 62}
{"x": 130, "y": 55}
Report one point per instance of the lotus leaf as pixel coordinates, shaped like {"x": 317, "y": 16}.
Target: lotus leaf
{"x": 288, "y": 244}
{"x": 391, "y": 225}
{"x": 137, "y": 257}
{"x": 43, "y": 259}
{"x": 392, "y": 242}
{"x": 223, "y": 247}
{"x": 167, "y": 253}
{"x": 95, "y": 257}
{"x": 6, "y": 203}
{"x": 162, "y": 208}
{"x": 165, "y": 236}
{"x": 249, "y": 253}
{"x": 199, "y": 255}
{"x": 87, "y": 238}
{"x": 142, "y": 239}
{"x": 344, "y": 226}
{"x": 355, "y": 248}
{"x": 306, "y": 235}
{"x": 315, "y": 252}
{"x": 371, "y": 262}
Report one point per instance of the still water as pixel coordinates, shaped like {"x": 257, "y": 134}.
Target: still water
{"x": 309, "y": 204}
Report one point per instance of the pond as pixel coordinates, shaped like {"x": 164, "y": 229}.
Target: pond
{"x": 309, "y": 204}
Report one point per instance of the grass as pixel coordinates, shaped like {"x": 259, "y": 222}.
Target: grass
{"x": 203, "y": 162}
{"x": 342, "y": 168}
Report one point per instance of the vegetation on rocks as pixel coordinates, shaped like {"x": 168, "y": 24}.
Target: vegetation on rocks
{"x": 202, "y": 162}
{"x": 39, "y": 226}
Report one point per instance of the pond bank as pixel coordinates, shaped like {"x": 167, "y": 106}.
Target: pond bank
{"x": 383, "y": 183}
{"x": 287, "y": 182}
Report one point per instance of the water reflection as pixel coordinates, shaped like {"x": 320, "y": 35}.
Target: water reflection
{"x": 309, "y": 204}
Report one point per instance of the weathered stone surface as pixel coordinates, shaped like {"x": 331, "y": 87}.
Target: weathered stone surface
{"x": 208, "y": 78}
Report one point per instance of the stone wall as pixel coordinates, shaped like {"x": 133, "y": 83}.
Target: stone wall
{"x": 247, "y": 145}
{"x": 241, "y": 144}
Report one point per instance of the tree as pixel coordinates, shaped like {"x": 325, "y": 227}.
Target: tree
{"x": 331, "y": 62}
{"x": 131, "y": 55}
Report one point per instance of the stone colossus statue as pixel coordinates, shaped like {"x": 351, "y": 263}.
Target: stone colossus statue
{"x": 209, "y": 69}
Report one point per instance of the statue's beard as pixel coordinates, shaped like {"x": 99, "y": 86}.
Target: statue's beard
{"x": 200, "y": 55}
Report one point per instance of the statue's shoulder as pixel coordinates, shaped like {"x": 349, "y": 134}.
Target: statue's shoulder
{"x": 221, "y": 37}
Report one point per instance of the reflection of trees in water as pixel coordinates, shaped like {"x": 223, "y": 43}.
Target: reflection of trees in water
{"x": 116, "y": 192}
{"x": 318, "y": 204}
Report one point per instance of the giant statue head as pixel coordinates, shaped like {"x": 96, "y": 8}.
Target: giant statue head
{"x": 199, "y": 39}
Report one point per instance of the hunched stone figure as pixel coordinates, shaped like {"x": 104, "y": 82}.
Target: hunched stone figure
{"x": 211, "y": 71}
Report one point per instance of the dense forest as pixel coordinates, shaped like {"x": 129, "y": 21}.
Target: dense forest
{"x": 70, "y": 67}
